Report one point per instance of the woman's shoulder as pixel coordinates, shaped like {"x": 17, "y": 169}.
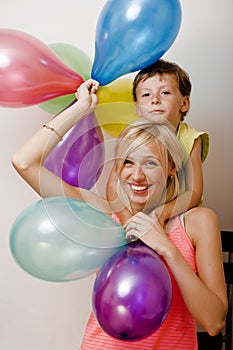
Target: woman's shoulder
{"x": 201, "y": 223}
{"x": 200, "y": 212}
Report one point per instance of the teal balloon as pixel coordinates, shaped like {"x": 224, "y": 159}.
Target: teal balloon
{"x": 77, "y": 60}
{"x": 62, "y": 239}
{"x": 131, "y": 35}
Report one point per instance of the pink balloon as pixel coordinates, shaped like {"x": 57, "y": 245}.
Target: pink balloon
{"x": 30, "y": 72}
{"x": 79, "y": 158}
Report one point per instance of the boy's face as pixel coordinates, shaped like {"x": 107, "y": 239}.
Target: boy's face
{"x": 159, "y": 96}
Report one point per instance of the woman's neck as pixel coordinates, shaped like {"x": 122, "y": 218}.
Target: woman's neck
{"x": 147, "y": 209}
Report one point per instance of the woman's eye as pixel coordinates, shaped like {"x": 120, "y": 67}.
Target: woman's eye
{"x": 128, "y": 162}
{"x": 152, "y": 163}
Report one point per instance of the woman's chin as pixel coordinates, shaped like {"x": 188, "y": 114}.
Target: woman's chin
{"x": 139, "y": 200}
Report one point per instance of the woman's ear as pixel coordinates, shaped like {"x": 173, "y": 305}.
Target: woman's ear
{"x": 172, "y": 170}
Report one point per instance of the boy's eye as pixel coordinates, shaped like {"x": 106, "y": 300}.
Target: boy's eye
{"x": 146, "y": 94}
{"x": 165, "y": 93}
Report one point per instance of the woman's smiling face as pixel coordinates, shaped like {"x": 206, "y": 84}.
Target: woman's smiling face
{"x": 144, "y": 176}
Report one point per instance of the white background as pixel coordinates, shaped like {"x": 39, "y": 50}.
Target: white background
{"x": 38, "y": 315}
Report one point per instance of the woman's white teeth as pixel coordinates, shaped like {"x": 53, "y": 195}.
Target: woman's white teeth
{"x": 138, "y": 188}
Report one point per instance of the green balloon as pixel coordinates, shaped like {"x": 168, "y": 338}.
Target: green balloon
{"x": 62, "y": 239}
{"x": 77, "y": 60}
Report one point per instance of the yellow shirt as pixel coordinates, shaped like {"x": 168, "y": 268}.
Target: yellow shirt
{"x": 187, "y": 136}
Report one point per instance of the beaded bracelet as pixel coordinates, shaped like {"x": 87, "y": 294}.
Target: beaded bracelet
{"x": 52, "y": 129}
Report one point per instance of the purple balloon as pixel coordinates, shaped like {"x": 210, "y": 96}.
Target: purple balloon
{"x": 132, "y": 293}
{"x": 79, "y": 158}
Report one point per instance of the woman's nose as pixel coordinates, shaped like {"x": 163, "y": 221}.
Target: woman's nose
{"x": 138, "y": 173}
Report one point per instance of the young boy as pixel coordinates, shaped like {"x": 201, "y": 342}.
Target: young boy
{"x": 162, "y": 90}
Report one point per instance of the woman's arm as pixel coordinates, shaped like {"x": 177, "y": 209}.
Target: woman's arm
{"x": 28, "y": 160}
{"x": 211, "y": 308}
{"x": 205, "y": 293}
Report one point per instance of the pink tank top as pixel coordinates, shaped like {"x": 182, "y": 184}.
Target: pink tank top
{"x": 177, "y": 332}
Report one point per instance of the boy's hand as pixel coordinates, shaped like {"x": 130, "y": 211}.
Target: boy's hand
{"x": 157, "y": 216}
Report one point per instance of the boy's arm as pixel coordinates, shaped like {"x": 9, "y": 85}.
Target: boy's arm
{"x": 193, "y": 184}
{"x": 117, "y": 206}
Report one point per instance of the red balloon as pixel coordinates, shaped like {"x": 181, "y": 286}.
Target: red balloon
{"x": 30, "y": 72}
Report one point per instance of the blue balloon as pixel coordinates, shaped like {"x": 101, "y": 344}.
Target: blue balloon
{"x": 131, "y": 35}
{"x": 62, "y": 239}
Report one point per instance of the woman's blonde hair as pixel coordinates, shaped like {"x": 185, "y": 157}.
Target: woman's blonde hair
{"x": 141, "y": 133}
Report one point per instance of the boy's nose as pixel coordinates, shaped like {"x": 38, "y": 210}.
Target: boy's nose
{"x": 155, "y": 99}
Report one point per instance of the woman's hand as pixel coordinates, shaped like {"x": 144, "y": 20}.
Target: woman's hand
{"x": 149, "y": 231}
{"x": 86, "y": 94}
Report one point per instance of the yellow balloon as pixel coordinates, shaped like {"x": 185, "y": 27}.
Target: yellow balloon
{"x": 115, "y": 107}
{"x": 114, "y": 117}
{"x": 118, "y": 91}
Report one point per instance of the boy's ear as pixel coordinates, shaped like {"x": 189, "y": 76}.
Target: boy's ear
{"x": 137, "y": 109}
{"x": 186, "y": 104}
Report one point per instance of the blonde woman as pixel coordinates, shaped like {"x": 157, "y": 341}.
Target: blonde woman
{"x": 148, "y": 156}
